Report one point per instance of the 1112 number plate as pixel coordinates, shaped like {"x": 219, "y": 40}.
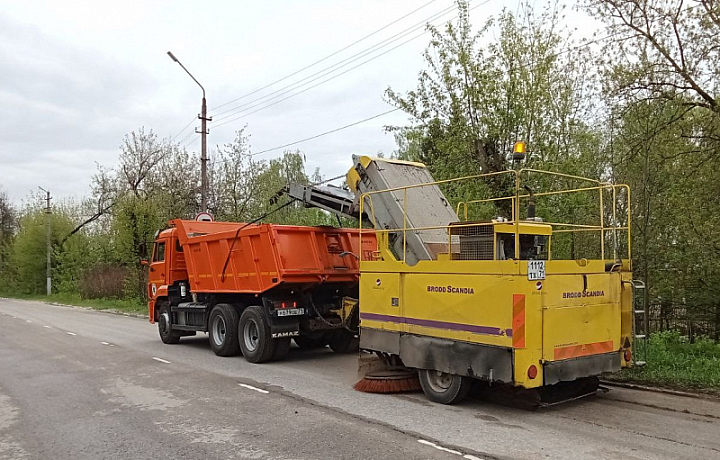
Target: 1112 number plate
{"x": 536, "y": 270}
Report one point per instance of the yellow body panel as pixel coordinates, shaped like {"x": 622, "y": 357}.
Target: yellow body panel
{"x": 572, "y": 313}
{"x": 379, "y": 290}
{"x": 581, "y": 315}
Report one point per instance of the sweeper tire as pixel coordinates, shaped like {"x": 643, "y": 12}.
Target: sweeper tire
{"x": 444, "y": 388}
{"x": 223, "y": 330}
{"x": 255, "y": 341}
{"x": 167, "y": 335}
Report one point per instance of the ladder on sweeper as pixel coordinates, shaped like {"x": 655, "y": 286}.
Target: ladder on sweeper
{"x": 641, "y": 332}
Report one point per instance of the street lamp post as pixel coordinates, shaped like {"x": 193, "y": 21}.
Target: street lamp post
{"x": 203, "y": 139}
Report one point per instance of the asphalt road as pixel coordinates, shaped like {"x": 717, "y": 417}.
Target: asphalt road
{"x": 76, "y": 383}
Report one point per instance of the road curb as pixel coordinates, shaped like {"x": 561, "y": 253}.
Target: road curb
{"x": 636, "y": 386}
{"x": 111, "y": 311}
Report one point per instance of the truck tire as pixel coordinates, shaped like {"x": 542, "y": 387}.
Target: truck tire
{"x": 343, "y": 341}
{"x": 167, "y": 335}
{"x": 282, "y": 347}
{"x": 223, "y": 330}
{"x": 444, "y": 388}
{"x": 255, "y": 341}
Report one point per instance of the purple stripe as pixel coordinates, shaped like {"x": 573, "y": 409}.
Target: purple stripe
{"x": 487, "y": 330}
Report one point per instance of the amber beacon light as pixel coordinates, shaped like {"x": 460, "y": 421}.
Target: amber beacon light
{"x": 519, "y": 151}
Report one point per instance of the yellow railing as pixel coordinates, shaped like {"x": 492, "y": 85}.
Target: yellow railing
{"x": 557, "y": 227}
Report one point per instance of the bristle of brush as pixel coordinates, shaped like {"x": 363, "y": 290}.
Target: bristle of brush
{"x": 369, "y": 385}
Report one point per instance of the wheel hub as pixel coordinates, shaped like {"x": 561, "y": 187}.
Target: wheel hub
{"x": 219, "y": 330}
{"x": 251, "y": 335}
{"x": 439, "y": 381}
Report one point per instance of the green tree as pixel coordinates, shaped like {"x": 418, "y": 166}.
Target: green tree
{"x": 27, "y": 257}
{"x": 234, "y": 181}
{"x": 660, "y": 66}
{"x": 8, "y": 226}
{"x": 275, "y": 178}
{"x": 473, "y": 102}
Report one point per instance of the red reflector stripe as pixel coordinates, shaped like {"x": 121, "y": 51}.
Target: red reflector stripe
{"x": 518, "y": 325}
{"x": 586, "y": 349}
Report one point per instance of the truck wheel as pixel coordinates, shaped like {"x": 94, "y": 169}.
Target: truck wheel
{"x": 309, "y": 342}
{"x": 167, "y": 335}
{"x": 282, "y": 347}
{"x": 444, "y": 388}
{"x": 343, "y": 341}
{"x": 255, "y": 342}
{"x": 223, "y": 329}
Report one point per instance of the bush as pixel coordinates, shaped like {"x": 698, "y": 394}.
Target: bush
{"x": 672, "y": 360}
{"x": 104, "y": 282}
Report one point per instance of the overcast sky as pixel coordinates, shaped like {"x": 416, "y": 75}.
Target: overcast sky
{"x": 76, "y": 76}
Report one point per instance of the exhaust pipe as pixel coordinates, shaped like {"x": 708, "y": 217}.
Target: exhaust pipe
{"x": 531, "y": 203}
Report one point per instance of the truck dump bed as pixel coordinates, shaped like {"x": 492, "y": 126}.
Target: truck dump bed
{"x": 263, "y": 256}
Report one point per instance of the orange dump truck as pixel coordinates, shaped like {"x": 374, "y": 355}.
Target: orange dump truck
{"x": 253, "y": 288}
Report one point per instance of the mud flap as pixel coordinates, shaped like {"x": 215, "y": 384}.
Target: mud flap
{"x": 284, "y": 327}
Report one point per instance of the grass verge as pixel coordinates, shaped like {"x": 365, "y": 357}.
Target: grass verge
{"x": 674, "y": 362}
{"x": 132, "y": 306}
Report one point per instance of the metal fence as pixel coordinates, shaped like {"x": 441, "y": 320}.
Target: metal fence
{"x": 689, "y": 323}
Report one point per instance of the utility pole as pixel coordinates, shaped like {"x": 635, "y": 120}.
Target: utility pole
{"x": 203, "y": 139}
{"x": 203, "y": 155}
{"x": 48, "y": 226}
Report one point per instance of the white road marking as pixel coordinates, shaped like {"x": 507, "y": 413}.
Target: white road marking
{"x": 47, "y": 327}
{"x": 162, "y": 360}
{"x": 250, "y": 387}
{"x": 105, "y": 343}
{"x": 445, "y": 449}
{"x": 28, "y": 321}
{"x": 71, "y": 333}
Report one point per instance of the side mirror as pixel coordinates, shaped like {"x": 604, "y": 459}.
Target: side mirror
{"x": 144, "y": 262}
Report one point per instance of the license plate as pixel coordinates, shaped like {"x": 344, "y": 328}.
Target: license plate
{"x": 536, "y": 270}
{"x": 291, "y": 312}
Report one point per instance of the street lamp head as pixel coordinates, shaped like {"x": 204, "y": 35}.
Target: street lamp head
{"x": 172, "y": 56}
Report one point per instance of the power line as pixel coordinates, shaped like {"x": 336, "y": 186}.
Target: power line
{"x": 243, "y": 115}
{"x": 325, "y": 133}
{"x": 338, "y": 65}
{"x": 181, "y": 131}
{"x": 192, "y": 141}
{"x": 325, "y": 58}
{"x": 442, "y": 13}
{"x": 186, "y": 137}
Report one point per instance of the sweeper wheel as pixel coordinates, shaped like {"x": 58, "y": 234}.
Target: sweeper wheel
{"x": 444, "y": 388}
